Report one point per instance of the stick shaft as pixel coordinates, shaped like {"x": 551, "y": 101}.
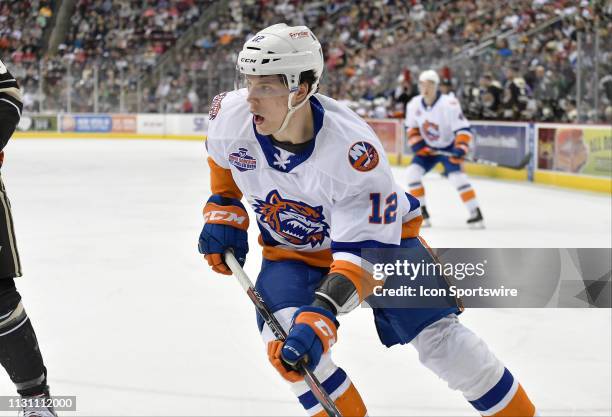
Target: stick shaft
{"x": 468, "y": 158}
{"x": 266, "y": 314}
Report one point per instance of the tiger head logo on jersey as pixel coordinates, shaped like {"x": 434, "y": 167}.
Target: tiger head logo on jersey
{"x": 363, "y": 156}
{"x": 295, "y": 221}
{"x": 431, "y": 131}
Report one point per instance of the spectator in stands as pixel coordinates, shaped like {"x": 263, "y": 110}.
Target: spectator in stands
{"x": 490, "y": 97}
{"x": 446, "y": 86}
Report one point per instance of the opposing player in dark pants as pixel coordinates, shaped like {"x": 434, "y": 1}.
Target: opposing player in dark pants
{"x": 19, "y": 352}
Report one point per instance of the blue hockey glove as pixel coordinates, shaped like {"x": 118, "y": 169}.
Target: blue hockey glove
{"x": 314, "y": 331}
{"x": 458, "y": 152}
{"x": 226, "y": 225}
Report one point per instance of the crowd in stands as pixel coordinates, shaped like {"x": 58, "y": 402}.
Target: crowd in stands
{"x": 374, "y": 51}
{"x": 518, "y": 76}
{"x": 516, "y": 62}
{"x": 23, "y": 27}
{"x": 123, "y": 40}
{"x": 111, "y": 43}
{"x": 535, "y": 77}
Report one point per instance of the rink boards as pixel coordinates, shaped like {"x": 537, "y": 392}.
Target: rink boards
{"x": 565, "y": 155}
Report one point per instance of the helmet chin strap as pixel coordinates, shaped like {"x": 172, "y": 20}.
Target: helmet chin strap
{"x": 292, "y": 110}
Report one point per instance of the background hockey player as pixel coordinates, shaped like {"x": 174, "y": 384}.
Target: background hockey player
{"x": 435, "y": 122}
{"x": 319, "y": 182}
{"x": 19, "y": 352}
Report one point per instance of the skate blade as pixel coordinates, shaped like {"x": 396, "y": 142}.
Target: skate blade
{"x": 479, "y": 225}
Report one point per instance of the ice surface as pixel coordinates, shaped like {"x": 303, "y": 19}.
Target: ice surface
{"x": 132, "y": 322}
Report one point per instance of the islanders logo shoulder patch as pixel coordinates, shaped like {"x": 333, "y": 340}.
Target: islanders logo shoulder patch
{"x": 295, "y": 221}
{"x": 363, "y": 156}
{"x": 242, "y": 160}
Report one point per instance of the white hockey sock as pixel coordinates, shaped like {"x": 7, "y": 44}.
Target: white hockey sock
{"x": 414, "y": 176}
{"x": 464, "y": 188}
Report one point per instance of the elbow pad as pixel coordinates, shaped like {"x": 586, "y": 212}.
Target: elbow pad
{"x": 337, "y": 293}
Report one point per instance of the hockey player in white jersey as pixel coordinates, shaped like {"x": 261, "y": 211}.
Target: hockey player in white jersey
{"x": 434, "y": 123}
{"x": 322, "y": 190}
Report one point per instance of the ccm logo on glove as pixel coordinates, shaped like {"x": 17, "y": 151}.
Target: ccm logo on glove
{"x": 227, "y": 215}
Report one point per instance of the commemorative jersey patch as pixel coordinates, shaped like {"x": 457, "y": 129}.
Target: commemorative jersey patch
{"x": 215, "y": 106}
{"x": 242, "y": 160}
{"x": 363, "y": 156}
{"x": 295, "y": 221}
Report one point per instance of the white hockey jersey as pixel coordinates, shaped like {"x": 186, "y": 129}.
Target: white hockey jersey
{"x": 438, "y": 124}
{"x": 320, "y": 205}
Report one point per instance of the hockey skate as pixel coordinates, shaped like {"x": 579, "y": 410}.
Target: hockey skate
{"x": 425, "y": 214}
{"x": 36, "y": 407}
{"x": 476, "y": 221}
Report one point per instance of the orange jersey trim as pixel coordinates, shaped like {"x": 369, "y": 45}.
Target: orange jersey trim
{"x": 412, "y": 227}
{"x": 417, "y": 192}
{"x": 319, "y": 259}
{"x": 462, "y": 138}
{"x": 363, "y": 281}
{"x": 222, "y": 182}
{"x": 413, "y": 131}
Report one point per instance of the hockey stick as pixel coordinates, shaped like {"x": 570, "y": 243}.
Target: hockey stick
{"x": 264, "y": 311}
{"x": 522, "y": 164}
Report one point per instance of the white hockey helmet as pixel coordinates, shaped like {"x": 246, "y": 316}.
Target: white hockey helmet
{"x": 284, "y": 50}
{"x": 430, "y": 75}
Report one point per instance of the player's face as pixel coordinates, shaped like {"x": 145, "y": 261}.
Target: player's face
{"x": 267, "y": 98}
{"x": 427, "y": 89}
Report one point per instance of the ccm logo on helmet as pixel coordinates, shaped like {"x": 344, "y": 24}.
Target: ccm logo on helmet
{"x": 248, "y": 60}
{"x": 297, "y": 35}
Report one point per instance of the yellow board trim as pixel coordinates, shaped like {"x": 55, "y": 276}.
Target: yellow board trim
{"x": 113, "y": 135}
{"x": 578, "y": 182}
{"x": 496, "y": 172}
{"x": 480, "y": 170}
{"x": 393, "y": 158}
{"x": 560, "y": 179}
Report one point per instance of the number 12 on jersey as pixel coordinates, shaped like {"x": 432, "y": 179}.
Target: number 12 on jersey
{"x": 389, "y": 210}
